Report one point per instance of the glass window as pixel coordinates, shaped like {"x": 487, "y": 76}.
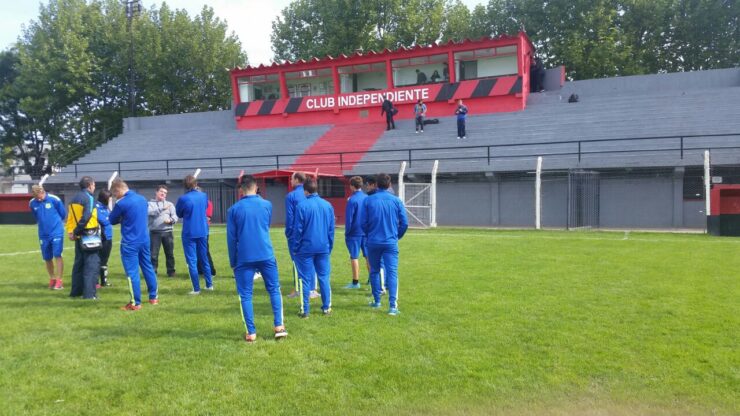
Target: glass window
{"x": 330, "y": 188}
{"x": 310, "y": 82}
{"x": 259, "y": 87}
{"x": 420, "y": 70}
{"x": 486, "y": 62}
{"x": 364, "y": 77}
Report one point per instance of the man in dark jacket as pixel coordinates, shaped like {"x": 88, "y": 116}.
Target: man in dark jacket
{"x": 389, "y": 111}
{"x": 82, "y": 222}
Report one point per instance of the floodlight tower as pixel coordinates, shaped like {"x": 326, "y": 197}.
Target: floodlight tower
{"x": 133, "y": 8}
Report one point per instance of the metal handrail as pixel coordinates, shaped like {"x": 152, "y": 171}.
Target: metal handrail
{"x": 488, "y": 154}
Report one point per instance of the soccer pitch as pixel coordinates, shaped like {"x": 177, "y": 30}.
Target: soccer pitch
{"x": 492, "y": 322}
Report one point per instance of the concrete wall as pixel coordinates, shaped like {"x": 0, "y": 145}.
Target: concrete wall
{"x": 625, "y": 202}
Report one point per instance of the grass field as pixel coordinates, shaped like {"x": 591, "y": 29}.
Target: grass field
{"x": 492, "y": 322}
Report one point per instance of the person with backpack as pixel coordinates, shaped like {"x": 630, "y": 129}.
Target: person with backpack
{"x": 389, "y": 111}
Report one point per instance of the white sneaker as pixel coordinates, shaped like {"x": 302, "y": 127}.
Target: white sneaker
{"x": 417, "y": 131}
{"x": 422, "y": 131}
{"x": 193, "y": 292}
{"x": 210, "y": 288}
{"x": 458, "y": 137}
{"x": 314, "y": 294}
{"x": 464, "y": 137}
{"x": 257, "y": 275}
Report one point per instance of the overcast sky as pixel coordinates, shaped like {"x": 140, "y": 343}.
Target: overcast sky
{"x": 250, "y": 19}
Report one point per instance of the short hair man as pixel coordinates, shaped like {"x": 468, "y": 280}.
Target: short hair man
{"x": 312, "y": 241}
{"x": 250, "y": 251}
{"x": 384, "y": 222}
{"x": 191, "y": 207}
{"x": 82, "y": 223}
{"x": 462, "y": 113}
{"x": 354, "y": 237}
{"x": 292, "y": 200}
{"x": 131, "y": 211}
{"x": 162, "y": 219}
{"x": 49, "y": 212}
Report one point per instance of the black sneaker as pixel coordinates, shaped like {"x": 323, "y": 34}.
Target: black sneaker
{"x": 302, "y": 315}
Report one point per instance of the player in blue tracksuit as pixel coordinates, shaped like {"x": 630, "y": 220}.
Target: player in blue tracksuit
{"x": 49, "y": 212}
{"x": 291, "y": 200}
{"x": 354, "y": 237}
{"x": 312, "y": 240}
{"x": 384, "y": 222}
{"x": 107, "y": 235}
{"x": 191, "y": 207}
{"x": 250, "y": 251}
{"x": 132, "y": 212}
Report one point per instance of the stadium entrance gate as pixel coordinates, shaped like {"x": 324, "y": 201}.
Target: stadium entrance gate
{"x": 222, "y": 195}
{"x": 583, "y": 199}
{"x": 420, "y": 199}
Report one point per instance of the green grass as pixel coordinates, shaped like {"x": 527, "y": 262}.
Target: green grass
{"x": 492, "y": 322}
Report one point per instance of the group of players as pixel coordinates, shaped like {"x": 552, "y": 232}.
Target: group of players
{"x": 374, "y": 224}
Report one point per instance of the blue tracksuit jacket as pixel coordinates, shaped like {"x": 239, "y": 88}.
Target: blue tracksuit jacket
{"x": 313, "y": 227}
{"x": 353, "y": 215}
{"x": 49, "y": 213}
{"x": 191, "y": 207}
{"x": 291, "y": 201}
{"x": 131, "y": 212}
{"x": 248, "y": 231}
{"x": 384, "y": 220}
{"x": 104, "y": 220}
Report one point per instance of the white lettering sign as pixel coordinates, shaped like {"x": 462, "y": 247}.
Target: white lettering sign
{"x": 368, "y": 98}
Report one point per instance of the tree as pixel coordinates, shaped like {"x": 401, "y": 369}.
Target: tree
{"x": 66, "y": 83}
{"x": 457, "y": 21}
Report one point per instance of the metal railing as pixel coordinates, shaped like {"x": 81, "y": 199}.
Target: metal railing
{"x": 345, "y": 161}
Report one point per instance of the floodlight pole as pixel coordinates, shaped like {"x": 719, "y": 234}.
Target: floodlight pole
{"x": 707, "y": 184}
{"x": 433, "y": 195}
{"x": 133, "y": 7}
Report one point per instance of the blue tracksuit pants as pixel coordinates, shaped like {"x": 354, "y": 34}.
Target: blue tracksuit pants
{"x": 310, "y": 266}
{"x": 195, "y": 249}
{"x": 133, "y": 257}
{"x": 388, "y": 254}
{"x": 244, "y": 274}
{"x": 296, "y": 279}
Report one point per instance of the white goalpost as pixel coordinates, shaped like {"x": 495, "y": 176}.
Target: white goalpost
{"x": 420, "y": 199}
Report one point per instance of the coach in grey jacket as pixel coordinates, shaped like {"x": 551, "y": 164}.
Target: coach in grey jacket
{"x": 162, "y": 218}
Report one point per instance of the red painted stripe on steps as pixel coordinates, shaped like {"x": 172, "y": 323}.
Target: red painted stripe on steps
{"x": 355, "y": 138}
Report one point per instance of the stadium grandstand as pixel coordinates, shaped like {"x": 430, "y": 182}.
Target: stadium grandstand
{"x": 624, "y": 152}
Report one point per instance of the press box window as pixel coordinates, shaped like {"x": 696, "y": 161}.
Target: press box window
{"x": 434, "y": 69}
{"x": 484, "y": 63}
{"x": 365, "y": 77}
{"x": 310, "y": 82}
{"x": 259, "y": 87}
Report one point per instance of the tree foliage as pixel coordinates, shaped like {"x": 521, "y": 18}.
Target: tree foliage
{"x": 66, "y": 82}
{"x": 592, "y": 38}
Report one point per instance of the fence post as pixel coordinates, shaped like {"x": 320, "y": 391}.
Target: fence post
{"x": 119, "y": 168}
{"x": 579, "y": 151}
{"x": 167, "y": 166}
{"x": 409, "y": 157}
{"x": 681, "y": 147}
{"x": 401, "y": 190}
{"x": 488, "y": 148}
{"x": 433, "y": 195}
{"x": 538, "y": 195}
{"x": 277, "y": 162}
{"x": 707, "y": 185}
{"x": 341, "y": 162}
{"x": 221, "y": 164}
